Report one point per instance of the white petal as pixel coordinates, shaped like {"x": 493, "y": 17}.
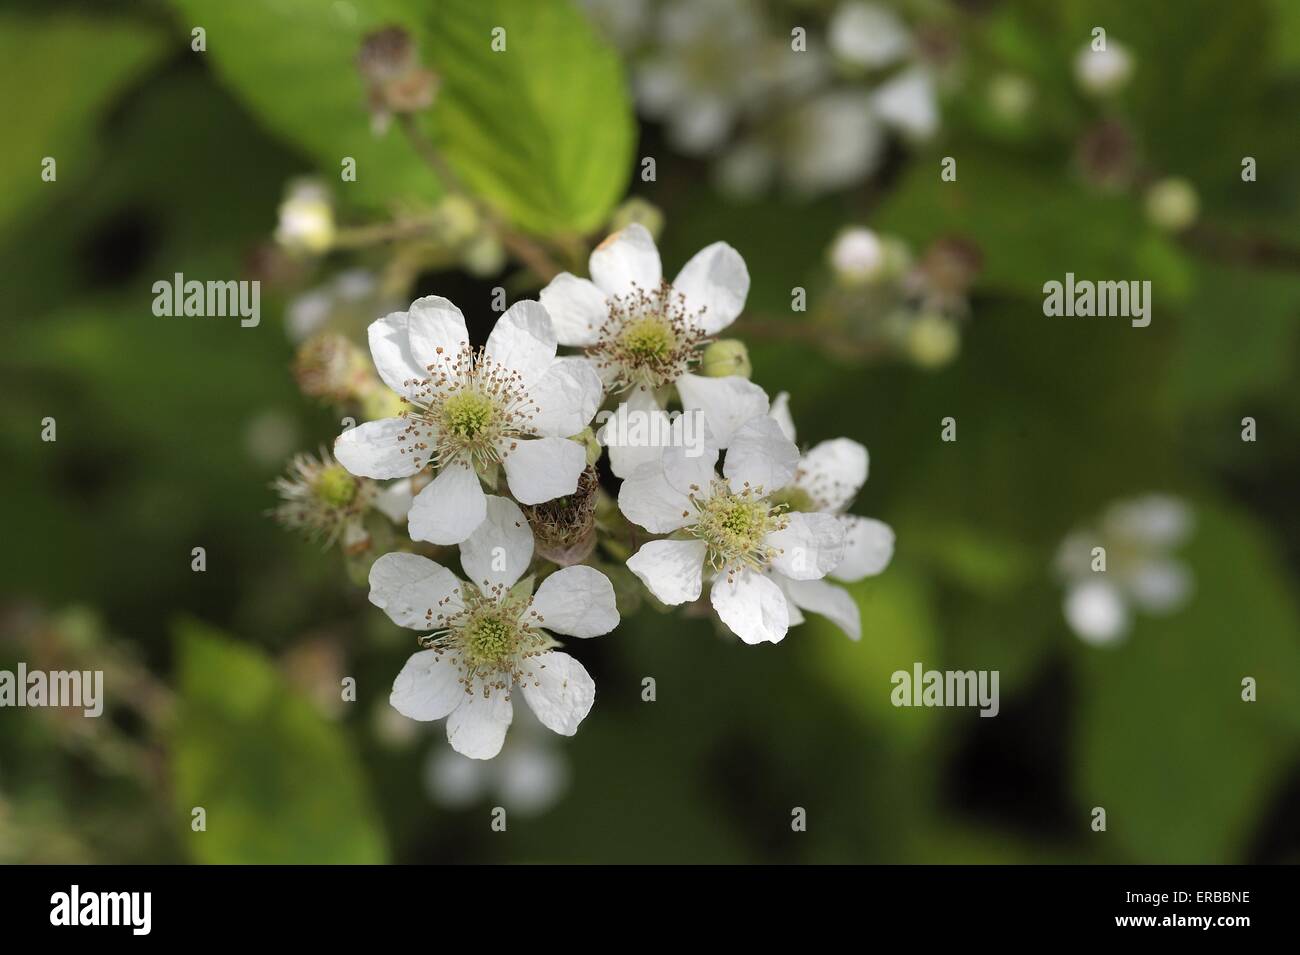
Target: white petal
{"x": 499, "y": 550}
{"x": 780, "y": 412}
{"x": 648, "y": 500}
{"x": 414, "y": 591}
{"x": 394, "y": 501}
{"x": 760, "y": 456}
{"x": 449, "y": 509}
{"x": 437, "y": 334}
{"x": 833, "y": 472}
{"x": 577, "y": 308}
{"x": 635, "y": 433}
{"x": 543, "y": 469}
{"x": 390, "y": 347}
{"x": 428, "y": 687}
{"x": 477, "y": 728}
{"x": 868, "y": 35}
{"x": 567, "y": 397}
{"x": 625, "y": 259}
{"x": 752, "y": 607}
{"x": 672, "y": 570}
{"x": 810, "y": 546}
{"x": 576, "y": 601}
{"x": 727, "y": 403}
{"x": 834, "y": 603}
{"x": 380, "y": 449}
{"x": 523, "y": 341}
{"x": 1096, "y": 611}
{"x": 715, "y": 283}
{"x": 868, "y": 548}
{"x": 559, "y": 690}
{"x": 690, "y": 460}
{"x": 1156, "y": 520}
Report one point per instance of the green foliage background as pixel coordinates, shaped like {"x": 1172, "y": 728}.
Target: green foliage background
{"x": 173, "y": 161}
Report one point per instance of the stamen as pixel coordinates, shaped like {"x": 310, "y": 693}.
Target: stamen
{"x": 649, "y": 340}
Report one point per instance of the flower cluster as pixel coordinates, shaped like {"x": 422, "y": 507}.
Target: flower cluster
{"x": 810, "y": 107}
{"x": 708, "y": 467}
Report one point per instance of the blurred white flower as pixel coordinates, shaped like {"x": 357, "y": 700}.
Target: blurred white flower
{"x": 1102, "y": 72}
{"x": 909, "y": 104}
{"x": 642, "y": 334}
{"x": 528, "y": 777}
{"x": 1133, "y": 570}
{"x": 509, "y": 406}
{"x": 486, "y": 637}
{"x": 868, "y": 35}
{"x": 705, "y": 70}
{"x": 753, "y": 547}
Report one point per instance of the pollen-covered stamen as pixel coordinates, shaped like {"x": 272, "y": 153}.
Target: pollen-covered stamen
{"x": 650, "y": 339}
{"x": 492, "y": 639}
{"x": 469, "y": 407}
{"x": 735, "y": 526}
{"x": 320, "y": 498}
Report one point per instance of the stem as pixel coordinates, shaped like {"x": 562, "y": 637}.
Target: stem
{"x": 522, "y": 247}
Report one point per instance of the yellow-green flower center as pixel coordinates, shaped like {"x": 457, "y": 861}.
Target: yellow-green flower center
{"x": 335, "y": 487}
{"x": 468, "y": 414}
{"x": 490, "y": 639}
{"x": 649, "y": 339}
{"x": 735, "y": 527}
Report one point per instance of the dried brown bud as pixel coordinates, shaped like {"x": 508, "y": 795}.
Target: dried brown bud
{"x": 565, "y": 529}
{"x": 395, "y": 80}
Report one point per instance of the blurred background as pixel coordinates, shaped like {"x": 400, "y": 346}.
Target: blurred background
{"x": 174, "y": 152}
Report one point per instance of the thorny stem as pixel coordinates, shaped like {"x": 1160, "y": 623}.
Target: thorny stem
{"x": 521, "y": 246}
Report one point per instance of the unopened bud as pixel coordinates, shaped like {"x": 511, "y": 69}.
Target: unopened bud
{"x": 933, "y": 340}
{"x": 306, "y": 219}
{"x": 1102, "y": 72}
{"x": 724, "y": 358}
{"x": 857, "y": 256}
{"x": 640, "y": 211}
{"x": 395, "y": 80}
{"x": 1172, "y": 204}
{"x": 329, "y": 366}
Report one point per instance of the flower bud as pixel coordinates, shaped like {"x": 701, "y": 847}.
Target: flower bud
{"x": 932, "y": 340}
{"x": 640, "y": 211}
{"x": 395, "y": 80}
{"x": 1172, "y": 204}
{"x": 564, "y": 530}
{"x": 322, "y": 500}
{"x": 724, "y": 358}
{"x": 857, "y": 256}
{"x": 1102, "y": 72}
{"x": 306, "y": 223}
{"x": 329, "y": 366}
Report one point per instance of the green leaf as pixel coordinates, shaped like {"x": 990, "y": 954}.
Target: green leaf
{"x": 1182, "y": 765}
{"x": 279, "y": 784}
{"x": 67, "y": 69}
{"x": 542, "y": 129}
{"x": 294, "y": 63}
